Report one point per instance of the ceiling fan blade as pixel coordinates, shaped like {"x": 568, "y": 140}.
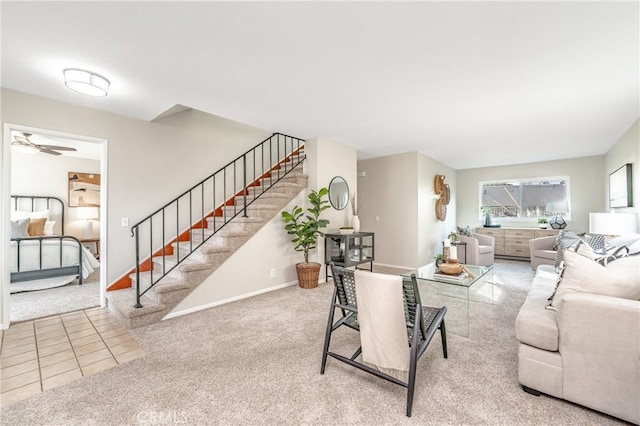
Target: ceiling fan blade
{"x": 50, "y": 151}
{"x": 18, "y": 143}
{"x": 22, "y": 140}
{"x": 59, "y": 148}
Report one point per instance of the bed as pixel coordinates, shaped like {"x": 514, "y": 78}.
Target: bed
{"x": 44, "y": 257}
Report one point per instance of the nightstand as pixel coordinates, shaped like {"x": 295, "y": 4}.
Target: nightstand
{"x": 95, "y": 241}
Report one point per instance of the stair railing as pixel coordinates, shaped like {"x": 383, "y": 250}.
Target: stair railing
{"x": 250, "y": 175}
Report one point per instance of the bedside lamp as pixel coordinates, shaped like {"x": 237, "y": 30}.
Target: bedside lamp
{"x": 558, "y": 207}
{"x": 88, "y": 214}
{"x": 613, "y": 223}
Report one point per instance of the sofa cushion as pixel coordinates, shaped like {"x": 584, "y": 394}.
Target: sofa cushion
{"x": 619, "y": 278}
{"x": 485, "y": 249}
{"x": 535, "y": 325}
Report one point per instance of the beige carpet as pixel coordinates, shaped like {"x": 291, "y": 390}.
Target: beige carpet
{"x": 59, "y": 300}
{"x": 257, "y": 361}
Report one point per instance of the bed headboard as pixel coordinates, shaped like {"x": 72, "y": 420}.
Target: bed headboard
{"x": 40, "y": 202}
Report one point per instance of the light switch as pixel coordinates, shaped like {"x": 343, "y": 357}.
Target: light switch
{"x": 124, "y": 221}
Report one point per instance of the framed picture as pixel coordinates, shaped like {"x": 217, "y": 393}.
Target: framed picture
{"x": 621, "y": 188}
{"x": 84, "y": 189}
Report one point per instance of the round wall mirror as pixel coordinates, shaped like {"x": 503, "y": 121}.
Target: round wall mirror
{"x": 338, "y": 193}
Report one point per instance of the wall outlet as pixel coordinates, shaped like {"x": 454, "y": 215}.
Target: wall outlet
{"x": 124, "y": 221}
{"x": 272, "y": 273}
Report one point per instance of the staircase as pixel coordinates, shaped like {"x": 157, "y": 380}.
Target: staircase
{"x": 177, "y": 249}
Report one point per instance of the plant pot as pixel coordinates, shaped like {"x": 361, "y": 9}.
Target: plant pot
{"x": 543, "y": 226}
{"x": 308, "y": 274}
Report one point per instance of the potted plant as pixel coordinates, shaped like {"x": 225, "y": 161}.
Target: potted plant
{"x": 453, "y": 237}
{"x": 542, "y": 222}
{"x": 440, "y": 259}
{"x": 306, "y": 229}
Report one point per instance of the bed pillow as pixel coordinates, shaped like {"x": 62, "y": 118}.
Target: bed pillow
{"x": 36, "y": 227}
{"x": 20, "y": 228}
{"x": 49, "y": 226}
{"x": 619, "y": 278}
{"x": 19, "y": 214}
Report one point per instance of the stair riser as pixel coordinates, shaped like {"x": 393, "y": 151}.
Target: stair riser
{"x": 255, "y": 210}
{"x": 171, "y": 298}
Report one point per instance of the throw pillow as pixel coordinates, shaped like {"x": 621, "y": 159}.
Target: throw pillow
{"x": 19, "y": 228}
{"x": 582, "y": 275}
{"x": 49, "y": 227}
{"x": 36, "y": 227}
{"x": 564, "y": 240}
{"x": 466, "y": 231}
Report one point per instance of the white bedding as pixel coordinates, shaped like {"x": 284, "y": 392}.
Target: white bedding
{"x": 30, "y": 256}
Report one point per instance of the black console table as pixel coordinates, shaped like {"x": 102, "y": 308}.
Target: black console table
{"x": 349, "y": 249}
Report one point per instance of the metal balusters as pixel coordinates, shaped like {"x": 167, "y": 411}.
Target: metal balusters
{"x": 259, "y": 178}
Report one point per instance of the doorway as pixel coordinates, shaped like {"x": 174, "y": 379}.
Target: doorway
{"x": 44, "y": 163}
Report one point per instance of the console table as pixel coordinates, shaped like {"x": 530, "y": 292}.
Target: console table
{"x": 349, "y": 249}
{"x": 514, "y": 242}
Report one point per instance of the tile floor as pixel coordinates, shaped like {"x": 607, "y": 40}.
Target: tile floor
{"x": 48, "y": 352}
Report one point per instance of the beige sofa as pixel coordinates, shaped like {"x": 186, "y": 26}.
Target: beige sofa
{"x": 541, "y": 252}
{"x": 587, "y": 352}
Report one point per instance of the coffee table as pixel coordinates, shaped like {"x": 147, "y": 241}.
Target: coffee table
{"x": 455, "y": 295}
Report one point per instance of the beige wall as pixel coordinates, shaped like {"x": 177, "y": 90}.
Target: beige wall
{"x": 43, "y": 174}
{"x": 248, "y": 270}
{"x": 431, "y": 232}
{"x": 587, "y": 189}
{"x": 148, "y": 163}
{"x": 626, "y": 150}
{"x": 396, "y": 202}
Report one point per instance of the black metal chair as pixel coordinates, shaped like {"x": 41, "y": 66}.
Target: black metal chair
{"x": 422, "y": 323}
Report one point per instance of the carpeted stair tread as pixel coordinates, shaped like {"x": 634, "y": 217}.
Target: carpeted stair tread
{"x": 185, "y": 266}
{"x": 199, "y": 259}
{"x": 124, "y": 300}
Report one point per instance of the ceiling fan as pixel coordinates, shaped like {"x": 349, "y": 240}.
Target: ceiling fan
{"x": 24, "y": 142}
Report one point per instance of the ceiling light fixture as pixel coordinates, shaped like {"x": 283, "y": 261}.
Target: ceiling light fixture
{"x": 86, "y": 82}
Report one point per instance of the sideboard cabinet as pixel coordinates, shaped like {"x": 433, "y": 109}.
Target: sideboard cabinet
{"x": 514, "y": 242}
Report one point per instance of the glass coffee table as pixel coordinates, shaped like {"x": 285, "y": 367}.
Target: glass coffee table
{"x": 455, "y": 294}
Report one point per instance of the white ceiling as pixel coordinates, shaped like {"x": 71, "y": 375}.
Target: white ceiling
{"x": 470, "y": 84}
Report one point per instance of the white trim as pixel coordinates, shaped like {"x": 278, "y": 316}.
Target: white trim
{"x": 229, "y": 300}
{"x": 394, "y": 266}
{"x": 5, "y": 212}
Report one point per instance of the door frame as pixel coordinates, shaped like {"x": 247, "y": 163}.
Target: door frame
{"x": 5, "y": 213}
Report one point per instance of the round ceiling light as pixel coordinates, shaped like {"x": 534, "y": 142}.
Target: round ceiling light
{"x": 86, "y": 82}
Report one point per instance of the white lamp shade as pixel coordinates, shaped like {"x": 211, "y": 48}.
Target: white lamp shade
{"x": 87, "y": 213}
{"x": 613, "y": 223}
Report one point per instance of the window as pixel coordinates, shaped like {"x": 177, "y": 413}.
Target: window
{"x": 523, "y": 198}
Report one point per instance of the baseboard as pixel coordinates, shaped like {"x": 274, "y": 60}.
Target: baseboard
{"x": 394, "y": 266}
{"x": 229, "y": 300}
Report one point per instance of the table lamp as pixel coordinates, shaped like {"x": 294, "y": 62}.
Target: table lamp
{"x": 613, "y": 223}
{"x": 88, "y": 214}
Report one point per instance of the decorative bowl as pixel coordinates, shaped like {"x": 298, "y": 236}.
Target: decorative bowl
{"x": 346, "y": 231}
{"x": 450, "y": 268}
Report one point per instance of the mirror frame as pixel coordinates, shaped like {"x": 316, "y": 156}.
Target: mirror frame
{"x": 337, "y": 179}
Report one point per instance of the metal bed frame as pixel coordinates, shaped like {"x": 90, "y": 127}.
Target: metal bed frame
{"x": 20, "y": 276}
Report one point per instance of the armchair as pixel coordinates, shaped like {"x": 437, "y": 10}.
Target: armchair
{"x": 540, "y": 250}
{"x": 480, "y": 249}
